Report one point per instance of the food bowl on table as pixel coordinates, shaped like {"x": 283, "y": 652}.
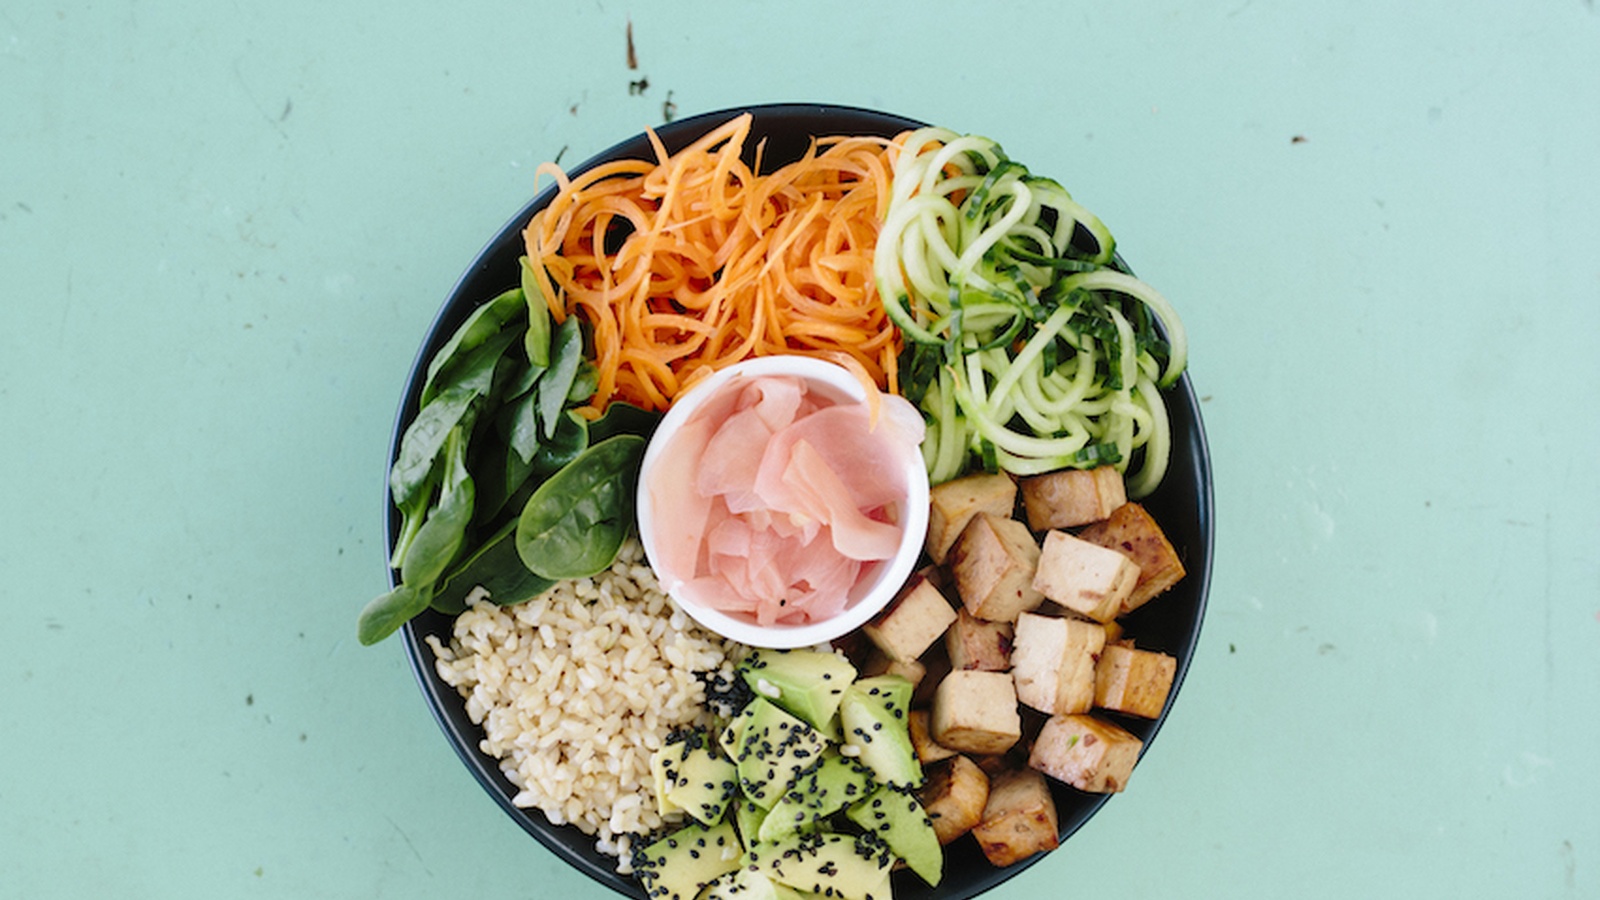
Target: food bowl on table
{"x": 1183, "y": 505}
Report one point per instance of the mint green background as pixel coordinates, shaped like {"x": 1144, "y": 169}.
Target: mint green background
{"x": 225, "y": 226}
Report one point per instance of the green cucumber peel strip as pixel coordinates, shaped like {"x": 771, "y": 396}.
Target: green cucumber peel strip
{"x": 1045, "y": 356}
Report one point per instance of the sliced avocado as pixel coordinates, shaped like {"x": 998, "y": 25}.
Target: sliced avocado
{"x": 749, "y": 884}
{"x": 706, "y": 781}
{"x": 665, "y": 776}
{"x": 748, "y": 815}
{"x": 847, "y": 866}
{"x": 728, "y": 737}
{"x": 807, "y": 683}
{"x": 774, "y": 747}
{"x": 820, "y": 791}
{"x": 677, "y": 866}
{"x": 873, "y": 714}
{"x": 898, "y": 818}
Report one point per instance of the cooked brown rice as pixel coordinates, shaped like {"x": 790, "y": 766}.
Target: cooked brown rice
{"x": 577, "y": 688}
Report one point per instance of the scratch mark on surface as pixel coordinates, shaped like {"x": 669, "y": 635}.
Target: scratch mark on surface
{"x": 254, "y": 102}
{"x": 1524, "y": 771}
{"x": 633, "y": 58}
{"x": 407, "y": 838}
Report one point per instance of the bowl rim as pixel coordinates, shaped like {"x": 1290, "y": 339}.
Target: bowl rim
{"x": 465, "y": 737}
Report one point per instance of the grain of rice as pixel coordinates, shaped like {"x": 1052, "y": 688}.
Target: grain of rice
{"x": 577, "y": 688}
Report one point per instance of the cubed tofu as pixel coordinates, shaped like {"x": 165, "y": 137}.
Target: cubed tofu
{"x": 912, "y": 621}
{"x": 993, "y": 764}
{"x": 1019, "y": 818}
{"x": 993, "y": 565}
{"x": 1113, "y": 631}
{"x": 954, "y": 796}
{"x": 975, "y": 643}
{"x": 1084, "y": 577}
{"x": 928, "y": 750}
{"x": 879, "y": 663}
{"x": 1088, "y": 753}
{"x": 954, "y": 503}
{"x": 976, "y": 712}
{"x": 1072, "y": 497}
{"x": 1053, "y": 662}
{"x": 1133, "y": 681}
{"x": 1131, "y": 531}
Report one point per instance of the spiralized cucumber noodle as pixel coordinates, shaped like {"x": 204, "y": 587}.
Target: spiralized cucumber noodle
{"x": 1027, "y": 349}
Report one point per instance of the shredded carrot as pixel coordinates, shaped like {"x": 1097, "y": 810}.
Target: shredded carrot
{"x": 689, "y": 263}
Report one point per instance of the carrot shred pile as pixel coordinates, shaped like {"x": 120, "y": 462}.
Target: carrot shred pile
{"x": 692, "y": 262}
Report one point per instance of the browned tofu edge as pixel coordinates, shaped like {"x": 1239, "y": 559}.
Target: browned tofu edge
{"x": 1019, "y": 818}
{"x": 954, "y": 794}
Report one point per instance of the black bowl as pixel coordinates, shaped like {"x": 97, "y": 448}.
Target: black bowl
{"x": 1183, "y": 505}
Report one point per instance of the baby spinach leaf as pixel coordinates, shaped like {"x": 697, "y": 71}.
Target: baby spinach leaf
{"x": 384, "y": 615}
{"x": 575, "y": 523}
{"x": 412, "y": 513}
{"x": 496, "y": 568}
{"x": 498, "y": 474}
{"x": 476, "y": 371}
{"x": 537, "y": 339}
{"x": 527, "y": 377}
{"x": 623, "y": 418}
{"x": 566, "y": 350}
{"x": 423, "y": 440}
{"x": 441, "y": 535}
{"x": 583, "y": 383}
{"x": 571, "y": 438}
{"x": 459, "y": 388}
{"x": 484, "y": 323}
{"x": 522, "y": 426}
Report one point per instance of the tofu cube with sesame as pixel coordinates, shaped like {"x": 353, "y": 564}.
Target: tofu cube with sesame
{"x": 1072, "y": 497}
{"x": 1131, "y": 531}
{"x": 1053, "y": 662}
{"x": 1019, "y": 818}
{"x": 1133, "y": 681}
{"x": 1088, "y": 753}
{"x": 928, "y": 750}
{"x": 1086, "y": 578}
{"x": 975, "y": 643}
{"x": 912, "y": 621}
{"x": 976, "y": 712}
{"x": 993, "y": 565}
{"x": 954, "y": 796}
{"x": 954, "y": 503}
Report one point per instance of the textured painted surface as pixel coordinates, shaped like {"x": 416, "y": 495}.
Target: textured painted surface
{"x": 224, "y": 227}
